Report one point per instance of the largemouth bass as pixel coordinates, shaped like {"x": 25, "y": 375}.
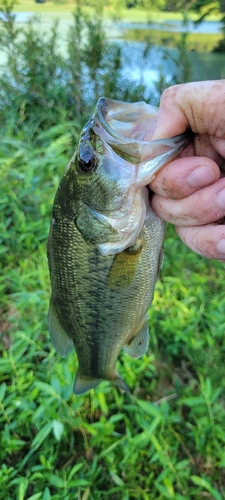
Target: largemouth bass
{"x": 105, "y": 242}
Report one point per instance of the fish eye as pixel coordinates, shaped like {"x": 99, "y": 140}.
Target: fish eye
{"x": 87, "y": 161}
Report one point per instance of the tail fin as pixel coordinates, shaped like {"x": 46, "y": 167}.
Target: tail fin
{"x": 84, "y": 384}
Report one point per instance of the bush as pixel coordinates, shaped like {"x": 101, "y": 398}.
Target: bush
{"x": 167, "y": 439}
{"x": 45, "y": 83}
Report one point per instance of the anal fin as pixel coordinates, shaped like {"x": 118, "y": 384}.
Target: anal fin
{"x": 139, "y": 344}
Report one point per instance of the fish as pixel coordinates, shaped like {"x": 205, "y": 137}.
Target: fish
{"x": 105, "y": 244}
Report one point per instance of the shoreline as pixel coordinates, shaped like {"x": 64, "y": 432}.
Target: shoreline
{"x": 118, "y": 28}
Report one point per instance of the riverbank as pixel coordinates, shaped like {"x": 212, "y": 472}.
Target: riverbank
{"x": 126, "y": 15}
{"x": 197, "y": 42}
{"x": 203, "y": 38}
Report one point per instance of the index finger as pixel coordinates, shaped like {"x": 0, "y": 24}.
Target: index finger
{"x": 196, "y": 105}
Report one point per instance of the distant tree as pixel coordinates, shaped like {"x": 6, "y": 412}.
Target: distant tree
{"x": 202, "y": 7}
{"x": 127, "y": 4}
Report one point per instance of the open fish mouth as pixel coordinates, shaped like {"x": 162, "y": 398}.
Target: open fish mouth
{"x": 132, "y": 162}
{"x": 125, "y": 126}
{"x": 125, "y": 121}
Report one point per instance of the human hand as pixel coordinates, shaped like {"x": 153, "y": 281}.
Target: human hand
{"x": 191, "y": 189}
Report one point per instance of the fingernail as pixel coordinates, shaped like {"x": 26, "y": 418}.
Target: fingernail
{"x": 221, "y": 199}
{"x": 221, "y": 246}
{"x": 201, "y": 176}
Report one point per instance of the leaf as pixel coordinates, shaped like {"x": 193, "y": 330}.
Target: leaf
{"x": 142, "y": 439}
{"x": 192, "y": 401}
{"x": 149, "y": 408}
{"x": 58, "y": 429}
{"x": 113, "y": 446}
{"x": 102, "y": 403}
{"x": 46, "y": 494}
{"x": 199, "y": 481}
{"x": 41, "y": 436}
{"x": 36, "y": 496}
{"x": 86, "y": 494}
{"x": 80, "y": 482}
{"x": 57, "y": 481}
{"x": 22, "y": 488}
{"x": 74, "y": 470}
{"x": 47, "y": 388}
{"x": 2, "y": 391}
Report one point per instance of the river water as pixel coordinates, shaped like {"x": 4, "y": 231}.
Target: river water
{"x": 177, "y": 26}
{"x": 205, "y": 66}
{"x": 210, "y": 27}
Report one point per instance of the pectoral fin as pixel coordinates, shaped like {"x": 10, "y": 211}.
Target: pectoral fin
{"x": 124, "y": 267}
{"x": 59, "y": 338}
{"x": 139, "y": 344}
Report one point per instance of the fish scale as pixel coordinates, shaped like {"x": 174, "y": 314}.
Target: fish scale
{"x": 104, "y": 269}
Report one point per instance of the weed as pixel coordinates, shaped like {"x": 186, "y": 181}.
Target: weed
{"x": 167, "y": 440}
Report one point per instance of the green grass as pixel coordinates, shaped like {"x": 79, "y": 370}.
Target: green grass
{"x": 167, "y": 440}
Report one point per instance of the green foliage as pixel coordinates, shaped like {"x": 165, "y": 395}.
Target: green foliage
{"x": 167, "y": 439}
{"x": 202, "y": 8}
{"x": 49, "y": 80}
{"x": 183, "y": 65}
{"x": 42, "y": 80}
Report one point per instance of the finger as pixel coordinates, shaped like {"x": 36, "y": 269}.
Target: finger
{"x": 219, "y": 145}
{"x": 184, "y": 176}
{"x": 205, "y": 206}
{"x": 203, "y": 147}
{"x": 208, "y": 240}
{"x": 196, "y": 105}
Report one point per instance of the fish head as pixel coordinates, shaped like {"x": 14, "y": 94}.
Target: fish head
{"x": 103, "y": 180}
{"x": 114, "y": 164}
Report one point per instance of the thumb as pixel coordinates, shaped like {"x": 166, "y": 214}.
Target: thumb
{"x": 170, "y": 120}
